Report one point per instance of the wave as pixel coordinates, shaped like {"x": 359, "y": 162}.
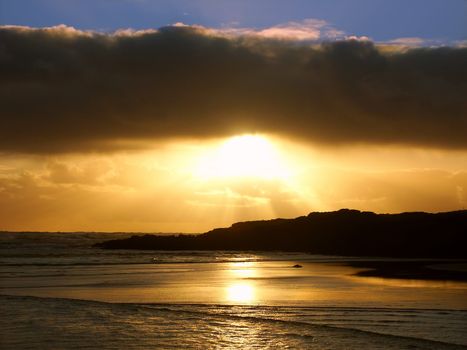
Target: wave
{"x": 200, "y": 321}
{"x": 91, "y": 256}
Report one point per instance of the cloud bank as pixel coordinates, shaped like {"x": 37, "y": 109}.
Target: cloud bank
{"x": 65, "y": 90}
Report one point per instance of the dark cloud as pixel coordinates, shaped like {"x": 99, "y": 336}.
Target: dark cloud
{"x": 64, "y": 90}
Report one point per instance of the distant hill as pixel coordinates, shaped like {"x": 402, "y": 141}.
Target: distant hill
{"x": 344, "y": 232}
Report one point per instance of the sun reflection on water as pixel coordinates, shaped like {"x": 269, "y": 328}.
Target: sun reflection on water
{"x": 244, "y": 269}
{"x": 241, "y": 293}
{"x": 240, "y": 289}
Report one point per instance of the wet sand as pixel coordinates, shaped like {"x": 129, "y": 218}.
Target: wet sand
{"x": 413, "y": 269}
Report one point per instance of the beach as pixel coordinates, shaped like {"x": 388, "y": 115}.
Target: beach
{"x": 59, "y": 292}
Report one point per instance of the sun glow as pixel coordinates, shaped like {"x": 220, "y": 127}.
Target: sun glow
{"x": 243, "y": 156}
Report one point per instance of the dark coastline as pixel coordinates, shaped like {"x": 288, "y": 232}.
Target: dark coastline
{"x": 344, "y": 232}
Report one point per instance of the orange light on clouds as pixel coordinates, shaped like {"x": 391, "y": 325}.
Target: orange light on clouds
{"x": 194, "y": 186}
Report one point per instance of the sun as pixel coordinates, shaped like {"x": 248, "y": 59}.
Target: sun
{"x": 246, "y": 156}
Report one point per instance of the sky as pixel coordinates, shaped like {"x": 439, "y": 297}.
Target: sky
{"x": 381, "y": 20}
{"x": 182, "y": 116}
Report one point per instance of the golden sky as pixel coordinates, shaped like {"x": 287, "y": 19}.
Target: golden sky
{"x": 186, "y": 186}
{"x": 184, "y": 129}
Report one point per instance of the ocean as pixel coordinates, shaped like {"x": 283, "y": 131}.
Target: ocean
{"x": 58, "y": 292}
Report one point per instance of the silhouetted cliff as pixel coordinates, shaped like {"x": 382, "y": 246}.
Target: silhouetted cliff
{"x": 343, "y": 232}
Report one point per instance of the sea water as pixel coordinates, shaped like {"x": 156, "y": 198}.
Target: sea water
{"x": 58, "y": 292}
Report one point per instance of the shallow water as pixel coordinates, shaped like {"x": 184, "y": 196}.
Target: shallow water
{"x": 58, "y": 292}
